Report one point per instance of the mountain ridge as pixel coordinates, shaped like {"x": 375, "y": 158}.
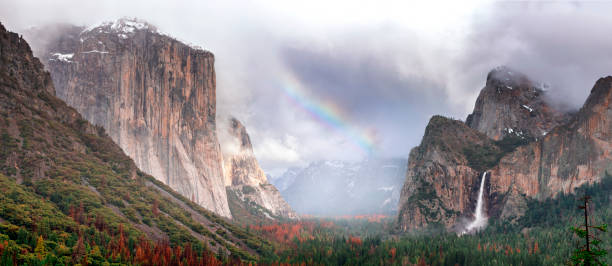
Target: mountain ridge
{"x": 573, "y": 150}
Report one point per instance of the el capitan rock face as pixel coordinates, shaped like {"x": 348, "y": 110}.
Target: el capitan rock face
{"x": 60, "y": 173}
{"x": 245, "y": 178}
{"x": 575, "y": 151}
{"x": 155, "y": 97}
{"x": 511, "y": 104}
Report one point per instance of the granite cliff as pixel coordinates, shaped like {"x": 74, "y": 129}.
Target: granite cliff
{"x": 62, "y": 177}
{"x": 512, "y": 104}
{"x": 154, "y": 95}
{"x": 569, "y": 156}
{"x": 246, "y": 182}
{"x": 441, "y": 183}
{"x": 529, "y": 149}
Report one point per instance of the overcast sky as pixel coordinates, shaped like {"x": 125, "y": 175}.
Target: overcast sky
{"x": 343, "y": 80}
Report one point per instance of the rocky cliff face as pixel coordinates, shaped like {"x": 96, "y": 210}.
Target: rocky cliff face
{"x": 511, "y": 104}
{"x": 573, "y": 151}
{"x": 155, "y": 96}
{"x": 441, "y": 184}
{"x": 569, "y": 156}
{"x": 245, "y": 179}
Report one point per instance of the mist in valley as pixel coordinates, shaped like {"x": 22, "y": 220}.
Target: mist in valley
{"x": 303, "y": 133}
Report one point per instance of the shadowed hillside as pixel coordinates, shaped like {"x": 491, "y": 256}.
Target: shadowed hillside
{"x": 70, "y": 195}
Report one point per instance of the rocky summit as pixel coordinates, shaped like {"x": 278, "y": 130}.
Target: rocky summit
{"x": 529, "y": 149}
{"x": 512, "y": 104}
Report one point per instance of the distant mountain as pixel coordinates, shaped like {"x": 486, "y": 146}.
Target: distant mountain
{"x": 66, "y": 188}
{"x": 331, "y": 188}
{"x": 156, "y": 98}
{"x": 529, "y": 150}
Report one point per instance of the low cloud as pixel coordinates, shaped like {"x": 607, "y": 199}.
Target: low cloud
{"x": 387, "y": 67}
{"x": 562, "y": 44}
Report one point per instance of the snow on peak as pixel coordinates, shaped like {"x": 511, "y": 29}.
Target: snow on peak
{"x": 62, "y": 57}
{"x": 125, "y": 27}
{"x": 129, "y": 25}
{"x": 121, "y": 26}
{"x": 518, "y": 133}
{"x": 95, "y": 51}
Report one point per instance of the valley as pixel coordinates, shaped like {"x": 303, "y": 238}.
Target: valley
{"x": 117, "y": 149}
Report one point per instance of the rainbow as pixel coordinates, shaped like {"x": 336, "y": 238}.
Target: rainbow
{"x": 327, "y": 114}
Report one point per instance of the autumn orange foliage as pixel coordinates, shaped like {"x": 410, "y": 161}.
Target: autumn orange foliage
{"x": 162, "y": 254}
{"x": 285, "y": 233}
{"x": 372, "y": 218}
{"x": 2, "y": 246}
{"x": 353, "y": 240}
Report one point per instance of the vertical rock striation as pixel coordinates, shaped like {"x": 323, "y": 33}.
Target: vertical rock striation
{"x": 441, "y": 185}
{"x": 245, "y": 178}
{"x": 570, "y": 155}
{"x": 555, "y": 152}
{"x": 154, "y": 95}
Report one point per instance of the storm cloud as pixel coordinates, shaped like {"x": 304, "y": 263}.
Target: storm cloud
{"x": 387, "y": 66}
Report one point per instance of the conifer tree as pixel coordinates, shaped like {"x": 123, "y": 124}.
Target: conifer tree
{"x": 40, "y": 248}
{"x": 590, "y": 253}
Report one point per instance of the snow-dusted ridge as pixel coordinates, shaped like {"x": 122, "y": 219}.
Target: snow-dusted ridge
{"x": 95, "y": 51}
{"x": 122, "y": 25}
{"x": 126, "y": 27}
{"x": 62, "y": 57}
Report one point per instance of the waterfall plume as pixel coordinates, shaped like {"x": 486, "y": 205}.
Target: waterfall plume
{"x": 480, "y": 218}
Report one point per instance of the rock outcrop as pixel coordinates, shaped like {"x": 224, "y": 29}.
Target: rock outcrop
{"x": 154, "y": 95}
{"x": 441, "y": 183}
{"x": 511, "y": 104}
{"x": 245, "y": 178}
{"x": 553, "y": 152}
{"x": 570, "y": 155}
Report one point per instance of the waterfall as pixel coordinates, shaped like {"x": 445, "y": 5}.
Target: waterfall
{"x": 480, "y": 219}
